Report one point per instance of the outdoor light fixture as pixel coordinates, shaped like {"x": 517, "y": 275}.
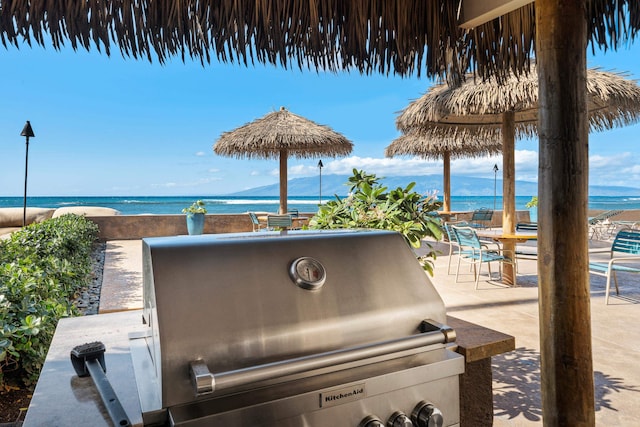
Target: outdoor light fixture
{"x": 495, "y": 184}
{"x": 27, "y": 132}
{"x": 320, "y": 166}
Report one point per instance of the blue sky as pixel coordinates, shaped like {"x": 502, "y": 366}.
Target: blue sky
{"x": 118, "y": 126}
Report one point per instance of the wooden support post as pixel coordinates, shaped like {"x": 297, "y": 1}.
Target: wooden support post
{"x": 564, "y": 301}
{"x": 508, "y": 190}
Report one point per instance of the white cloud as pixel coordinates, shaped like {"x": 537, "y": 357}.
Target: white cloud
{"x": 621, "y": 169}
{"x": 255, "y": 173}
{"x": 302, "y": 170}
{"x": 214, "y": 170}
{"x": 526, "y": 166}
{"x": 201, "y": 154}
{"x": 598, "y": 161}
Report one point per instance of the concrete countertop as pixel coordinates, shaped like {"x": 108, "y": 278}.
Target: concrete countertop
{"x": 61, "y": 398}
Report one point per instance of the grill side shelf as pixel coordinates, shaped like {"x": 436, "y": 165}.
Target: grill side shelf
{"x": 204, "y": 382}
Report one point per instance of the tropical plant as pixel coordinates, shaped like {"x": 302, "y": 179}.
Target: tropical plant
{"x": 532, "y": 203}
{"x": 42, "y": 267}
{"x": 196, "y": 207}
{"x": 370, "y": 205}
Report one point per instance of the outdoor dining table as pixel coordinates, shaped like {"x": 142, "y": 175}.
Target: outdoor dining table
{"x": 508, "y": 241}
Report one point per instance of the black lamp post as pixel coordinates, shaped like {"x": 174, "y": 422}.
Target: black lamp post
{"x": 27, "y": 132}
{"x": 495, "y": 184}
{"x": 320, "y": 166}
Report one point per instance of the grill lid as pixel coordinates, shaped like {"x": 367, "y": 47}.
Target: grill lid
{"x": 238, "y": 300}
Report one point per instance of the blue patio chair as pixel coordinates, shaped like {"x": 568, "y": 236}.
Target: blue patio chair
{"x": 279, "y": 222}
{"x": 624, "y": 249}
{"x": 476, "y": 253}
{"x": 452, "y": 240}
{"x": 481, "y": 218}
{"x": 257, "y": 226}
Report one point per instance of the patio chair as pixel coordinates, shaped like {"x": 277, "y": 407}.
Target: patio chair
{"x": 293, "y": 212}
{"x": 452, "y": 240}
{"x": 527, "y": 226}
{"x": 527, "y": 251}
{"x": 600, "y": 226}
{"x": 625, "y": 249}
{"x": 481, "y": 218}
{"x": 257, "y": 225}
{"x": 476, "y": 253}
{"x": 279, "y": 221}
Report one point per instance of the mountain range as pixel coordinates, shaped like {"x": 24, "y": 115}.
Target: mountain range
{"x": 460, "y": 186}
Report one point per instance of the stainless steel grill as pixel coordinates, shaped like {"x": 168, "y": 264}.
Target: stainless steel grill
{"x": 293, "y": 329}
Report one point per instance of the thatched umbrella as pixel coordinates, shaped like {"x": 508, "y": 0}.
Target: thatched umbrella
{"x": 281, "y": 134}
{"x": 447, "y": 149}
{"x": 488, "y": 110}
{"x": 476, "y": 107}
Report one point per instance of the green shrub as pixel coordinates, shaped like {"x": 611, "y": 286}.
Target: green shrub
{"x": 42, "y": 267}
{"x": 369, "y": 205}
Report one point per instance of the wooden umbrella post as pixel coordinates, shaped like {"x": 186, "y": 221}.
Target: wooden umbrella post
{"x": 446, "y": 185}
{"x": 564, "y": 301}
{"x": 283, "y": 182}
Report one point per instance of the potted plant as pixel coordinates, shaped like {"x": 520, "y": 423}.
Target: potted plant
{"x": 532, "y": 205}
{"x": 195, "y": 217}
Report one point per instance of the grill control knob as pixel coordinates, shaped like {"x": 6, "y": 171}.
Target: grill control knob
{"x": 426, "y": 415}
{"x": 399, "y": 419}
{"x": 371, "y": 421}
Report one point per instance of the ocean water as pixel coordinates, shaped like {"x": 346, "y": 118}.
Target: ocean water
{"x": 163, "y": 205}
{"x": 167, "y": 205}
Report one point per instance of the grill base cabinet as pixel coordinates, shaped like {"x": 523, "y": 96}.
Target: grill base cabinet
{"x": 309, "y": 328}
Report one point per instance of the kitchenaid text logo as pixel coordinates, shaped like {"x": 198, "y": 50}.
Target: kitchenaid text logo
{"x": 347, "y": 394}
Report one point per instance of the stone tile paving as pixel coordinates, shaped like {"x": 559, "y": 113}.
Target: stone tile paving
{"x": 516, "y": 375}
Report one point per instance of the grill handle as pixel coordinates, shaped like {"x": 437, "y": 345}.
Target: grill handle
{"x": 204, "y": 382}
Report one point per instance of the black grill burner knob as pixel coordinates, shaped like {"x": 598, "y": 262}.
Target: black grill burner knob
{"x": 426, "y": 415}
{"x": 371, "y": 421}
{"x": 399, "y": 419}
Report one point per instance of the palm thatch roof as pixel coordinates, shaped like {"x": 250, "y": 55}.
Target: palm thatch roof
{"x": 415, "y": 144}
{"x": 475, "y": 109}
{"x": 405, "y": 37}
{"x": 267, "y": 137}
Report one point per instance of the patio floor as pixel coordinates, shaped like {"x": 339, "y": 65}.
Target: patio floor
{"x": 514, "y": 311}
